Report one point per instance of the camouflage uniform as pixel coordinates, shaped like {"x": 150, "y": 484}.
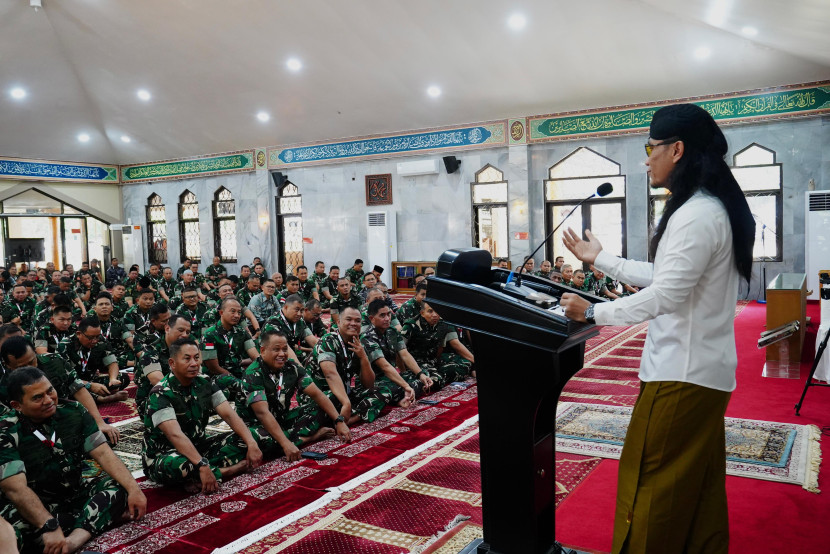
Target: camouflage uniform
{"x": 153, "y": 358}
{"x": 366, "y": 324}
{"x": 72, "y": 295}
{"x": 295, "y": 333}
{"x": 135, "y": 319}
{"x": 317, "y": 327}
{"x": 94, "y": 290}
{"x": 54, "y": 473}
{"x": 229, "y": 348}
{"x": 384, "y": 346}
{"x": 119, "y": 308}
{"x": 116, "y": 334}
{"x": 91, "y": 366}
{"x": 24, "y": 310}
{"x": 356, "y": 277}
{"x": 196, "y": 318}
{"x": 48, "y": 336}
{"x": 169, "y": 287}
{"x": 192, "y": 407}
{"x": 408, "y": 310}
{"x": 424, "y": 342}
{"x": 327, "y": 284}
{"x": 131, "y": 287}
{"x": 244, "y": 296}
{"x": 307, "y": 290}
{"x": 338, "y": 304}
{"x": 215, "y": 272}
{"x": 332, "y": 349}
{"x": 146, "y": 336}
{"x": 594, "y": 285}
{"x": 59, "y": 372}
{"x": 180, "y": 272}
{"x": 277, "y": 389}
{"x": 198, "y": 280}
{"x": 542, "y": 274}
{"x": 179, "y": 288}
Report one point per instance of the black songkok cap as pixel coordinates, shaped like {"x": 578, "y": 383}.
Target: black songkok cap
{"x": 691, "y": 124}
{"x": 378, "y": 269}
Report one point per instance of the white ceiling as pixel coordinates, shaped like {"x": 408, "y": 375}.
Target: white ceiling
{"x": 211, "y": 65}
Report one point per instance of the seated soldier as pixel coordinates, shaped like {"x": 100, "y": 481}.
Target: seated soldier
{"x": 579, "y": 280}
{"x": 227, "y": 348}
{"x": 556, "y": 277}
{"x": 312, "y": 315}
{"x": 119, "y": 301}
{"x": 45, "y": 315}
{"x": 319, "y": 277}
{"x": 265, "y": 304}
{"x": 600, "y": 285}
{"x": 258, "y": 269}
{"x": 43, "y": 448}
{"x": 355, "y": 274}
{"x": 292, "y": 286}
{"x": 567, "y": 274}
{"x": 88, "y": 290}
{"x": 419, "y": 278}
{"x": 167, "y": 285}
{"x": 328, "y": 287}
{"x": 216, "y": 271}
{"x": 131, "y": 284}
{"x": 78, "y": 308}
{"x": 249, "y": 290}
{"x": 244, "y": 274}
{"x": 270, "y": 384}
{"x": 154, "y": 363}
{"x": 558, "y": 262}
{"x": 184, "y": 267}
{"x": 504, "y": 263}
{"x": 369, "y": 282}
{"x": 435, "y": 346}
{"x": 138, "y": 316}
{"x": 278, "y": 281}
{"x": 45, "y": 304}
{"x": 194, "y": 310}
{"x": 387, "y": 298}
{"x": 118, "y": 337}
{"x": 188, "y": 281}
{"x": 60, "y": 326}
{"x": 307, "y": 287}
{"x": 336, "y": 360}
{"x": 544, "y": 270}
{"x": 289, "y": 320}
{"x": 528, "y": 267}
{"x": 412, "y": 307}
{"x": 198, "y": 279}
{"x": 19, "y": 308}
{"x": 212, "y": 315}
{"x": 628, "y": 290}
{"x": 176, "y": 448}
{"x": 93, "y": 362}
{"x": 16, "y": 352}
{"x": 345, "y": 298}
{"x": 373, "y": 294}
{"x": 152, "y": 331}
{"x": 383, "y": 344}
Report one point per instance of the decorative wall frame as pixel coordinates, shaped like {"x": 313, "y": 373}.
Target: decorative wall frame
{"x": 378, "y": 189}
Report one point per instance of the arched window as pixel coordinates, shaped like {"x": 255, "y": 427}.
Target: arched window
{"x": 224, "y": 226}
{"x": 575, "y": 177}
{"x": 760, "y": 178}
{"x": 289, "y": 228}
{"x": 156, "y": 230}
{"x": 189, "y": 227}
{"x": 489, "y": 198}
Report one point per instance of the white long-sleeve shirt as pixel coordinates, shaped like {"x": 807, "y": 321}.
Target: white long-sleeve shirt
{"x": 691, "y": 296}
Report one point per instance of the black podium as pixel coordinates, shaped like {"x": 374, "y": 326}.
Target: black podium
{"x": 525, "y": 352}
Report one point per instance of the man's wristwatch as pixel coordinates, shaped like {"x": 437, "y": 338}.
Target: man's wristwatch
{"x": 203, "y": 463}
{"x": 339, "y": 419}
{"x": 50, "y": 525}
{"x": 589, "y": 314}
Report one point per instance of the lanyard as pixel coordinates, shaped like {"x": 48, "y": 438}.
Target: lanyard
{"x": 84, "y": 361}
{"x": 109, "y": 328}
{"x": 348, "y": 355}
{"x": 279, "y": 385}
{"x": 48, "y": 442}
{"x": 229, "y": 341}
{"x": 291, "y": 326}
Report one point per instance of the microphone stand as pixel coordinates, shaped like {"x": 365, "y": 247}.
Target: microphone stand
{"x": 547, "y": 238}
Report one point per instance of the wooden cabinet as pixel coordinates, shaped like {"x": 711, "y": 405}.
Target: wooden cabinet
{"x": 786, "y": 302}
{"x": 403, "y": 275}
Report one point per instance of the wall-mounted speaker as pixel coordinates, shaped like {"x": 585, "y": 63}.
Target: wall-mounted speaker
{"x": 451, "y": 163}
{"x": 279, "y": 178}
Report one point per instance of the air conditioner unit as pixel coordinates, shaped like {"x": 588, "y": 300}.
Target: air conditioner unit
{"x": 381, "y": 241}
{"x": 817, "y": 235}
{"x": 418, "y": 167}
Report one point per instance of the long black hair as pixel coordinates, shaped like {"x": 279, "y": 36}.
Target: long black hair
{"x": 704, "y": 168}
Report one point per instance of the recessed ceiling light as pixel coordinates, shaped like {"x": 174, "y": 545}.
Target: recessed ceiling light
{"x": 434, "y": 91}
{"x": 702, "y": 53}
{"x": 143, "y": 94}
{"x": 749, "y": 31}
{"x": 125, "y": 138}
{"x": 83, "y": 137}
{"x": 517, "y": 22}
{"x": 294, "y": 64}
{"x": 263, "y": 116}
{"x": 18, "y": 93}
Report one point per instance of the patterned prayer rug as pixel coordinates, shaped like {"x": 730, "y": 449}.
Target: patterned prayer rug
{"x": 783, "y": 452}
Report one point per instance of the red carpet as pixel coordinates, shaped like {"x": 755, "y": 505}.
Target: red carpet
{"x": 764, "y": 516}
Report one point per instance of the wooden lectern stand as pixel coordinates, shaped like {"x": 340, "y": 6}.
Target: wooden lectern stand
{"x": 525, "y": 353}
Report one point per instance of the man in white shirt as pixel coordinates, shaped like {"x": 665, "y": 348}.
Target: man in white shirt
{"x": 671, "y": 493}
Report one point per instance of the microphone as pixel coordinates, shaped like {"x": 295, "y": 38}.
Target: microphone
{"x": 603, "y": 190}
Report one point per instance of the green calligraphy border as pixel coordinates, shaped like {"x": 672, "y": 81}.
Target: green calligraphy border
{"x": 777, "y": 103}
{"x": 233, "y": 162}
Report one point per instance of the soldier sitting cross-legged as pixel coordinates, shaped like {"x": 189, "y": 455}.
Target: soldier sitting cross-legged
{"x": 435, "y": 346}
{"x": 227, "y": 348}
{"x": 176, "y": 448}
{"x": 270, "y": 383}
{"x": 153, "y": 365}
